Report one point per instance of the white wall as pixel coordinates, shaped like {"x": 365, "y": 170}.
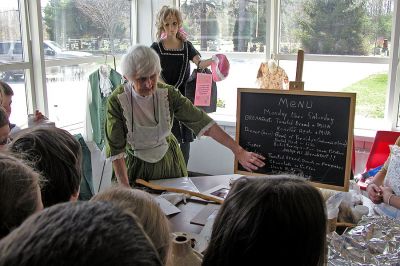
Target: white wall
{"x": 209, "y": 157}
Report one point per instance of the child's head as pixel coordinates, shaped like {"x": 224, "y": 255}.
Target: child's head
{"x": 164, "y": 16}
{"x": 7, "y": 94}
{"x": 142, "y": 204}
{"x": 79, "y": 233}
{"x": 57, "y": 155}
{"x": 262, "y": 216}
{"x": 19, "y": 193}
{"x": 4, "y": 128}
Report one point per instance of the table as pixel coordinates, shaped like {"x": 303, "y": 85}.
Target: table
{"x": 180, "y": 222}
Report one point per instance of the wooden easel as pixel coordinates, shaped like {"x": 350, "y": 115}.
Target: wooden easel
{"x": 298, "y": 84}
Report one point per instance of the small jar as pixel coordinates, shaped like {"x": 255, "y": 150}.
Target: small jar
{"x": 182, "y": 252}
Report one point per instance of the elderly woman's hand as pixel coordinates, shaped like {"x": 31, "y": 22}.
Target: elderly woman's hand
{"x": 249, "y": 160}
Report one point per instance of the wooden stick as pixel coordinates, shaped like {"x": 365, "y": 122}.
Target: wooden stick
{"x": 179, "y": 190}
{"x": 344, "y": 224}
{"x": 300, "y": 62}
{"x": 298, "y": 84}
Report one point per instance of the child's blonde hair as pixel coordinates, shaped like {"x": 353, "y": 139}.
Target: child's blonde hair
{"x": 162, "y": 16}
{"x": 149, "y": 213}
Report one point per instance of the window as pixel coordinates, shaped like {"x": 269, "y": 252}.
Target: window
{"x": 11, "y": 53}
{"x": 66, "y": 92}
{"x": 235, "y": 28}
{"x": 348, "y": 45}
{"x": 76, "y": 33}
{"x": 75, "y": 36}
{"x": 347, "y": 31}
{"x": 226, "y": 26}
{"x": 361, "y": 28}
{"x": 346, "y": 54}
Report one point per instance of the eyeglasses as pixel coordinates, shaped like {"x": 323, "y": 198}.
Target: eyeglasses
{"x": 5, "y": 141}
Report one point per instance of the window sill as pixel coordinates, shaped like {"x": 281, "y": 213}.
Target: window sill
{"x": 366, "y": 135}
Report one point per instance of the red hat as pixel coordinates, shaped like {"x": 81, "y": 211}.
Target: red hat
{"x": 219, "y": 67}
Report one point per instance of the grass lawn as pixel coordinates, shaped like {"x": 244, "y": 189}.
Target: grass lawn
{"x": 371, "y": 94}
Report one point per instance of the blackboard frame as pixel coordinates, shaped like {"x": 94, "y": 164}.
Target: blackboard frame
{"x": 350, "y": 135}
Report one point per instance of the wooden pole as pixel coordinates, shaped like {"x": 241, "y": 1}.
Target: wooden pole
{"x": 298, "y": 84}
{"x": 178, "y": 190}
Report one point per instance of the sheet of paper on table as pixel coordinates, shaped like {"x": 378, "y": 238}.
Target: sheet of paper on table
{"x": 202, "y": 216}
{"x": 207, "y": 229}
{"x": 167, "y": 207}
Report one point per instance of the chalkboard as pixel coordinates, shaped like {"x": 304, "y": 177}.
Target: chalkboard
{"x": 306, "y": 133}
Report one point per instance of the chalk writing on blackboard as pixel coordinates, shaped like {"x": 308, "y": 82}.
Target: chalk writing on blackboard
{"x": 306, "y": 133}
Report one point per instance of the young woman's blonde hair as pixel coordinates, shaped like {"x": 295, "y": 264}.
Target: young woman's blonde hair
{"x": 162, "y": 16}
{"x": 142, "y": 204}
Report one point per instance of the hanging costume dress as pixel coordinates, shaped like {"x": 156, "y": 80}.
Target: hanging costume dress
{"x": 132, "y": 131}
{"x": 175, "y": 65}
{"x": 101, "y": 84}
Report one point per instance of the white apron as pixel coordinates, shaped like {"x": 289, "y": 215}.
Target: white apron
{"x": 149, "y": 143}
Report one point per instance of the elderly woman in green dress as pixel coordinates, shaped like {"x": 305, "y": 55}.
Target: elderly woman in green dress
{"x": 139, "y": 120}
